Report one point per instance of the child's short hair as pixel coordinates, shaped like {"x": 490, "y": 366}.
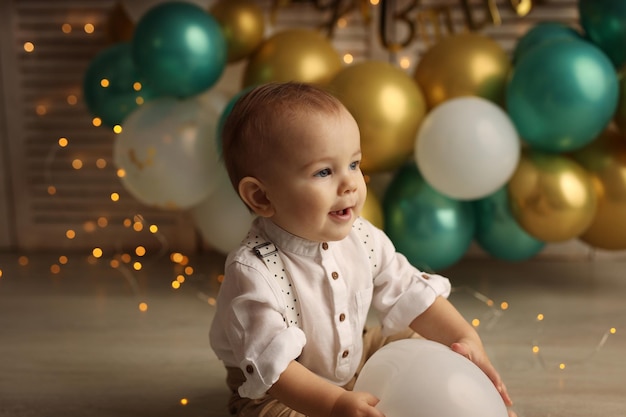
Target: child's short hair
{"x": 258, "y": 118}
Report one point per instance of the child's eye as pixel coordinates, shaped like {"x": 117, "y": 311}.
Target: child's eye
{"x": 355, "y": 165}
{"x": 323, "y": 173}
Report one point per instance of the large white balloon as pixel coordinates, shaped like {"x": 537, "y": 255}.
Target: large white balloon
{"x": 422, "y": 378}
{"x": 467, "y": 148}
{"x": 168, "y": 153}
{"x": 222, "y": 218}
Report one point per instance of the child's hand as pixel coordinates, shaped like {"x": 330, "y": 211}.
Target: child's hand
{"x": 356, "y": 404}
{"x": 477, "y": 354}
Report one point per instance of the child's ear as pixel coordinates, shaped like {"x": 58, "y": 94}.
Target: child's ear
{"x": 253, "y": 194}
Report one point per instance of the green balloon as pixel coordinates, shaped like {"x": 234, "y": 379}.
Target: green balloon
{"x": 432, "y": 230}
{"x": 540, "y": 33}
{"x": 109, "y": 85}
{"x": 497, "y": 231}
{"x": 604, "y": 22}
{"x": 180, "y": 48}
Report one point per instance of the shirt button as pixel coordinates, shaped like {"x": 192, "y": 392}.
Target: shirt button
{"x": 334, "y": 275}
{"x": 425, "y": 276}
{"x": 342, "y": 317}
{"x": 249, "y": 369}
{"x": 345, "y": 354}
{"x": 325, "y": 246}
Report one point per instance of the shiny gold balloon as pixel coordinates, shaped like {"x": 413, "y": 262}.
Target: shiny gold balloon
{"x": 605, "y": 159}
{"x": 243, "y": 26}
{"x": 120, "y": 26}
{"x": 552, "y": 197}
{"x": 387, "y": 105}
{"x": 466, "y": 64}
{"x": 372, "y": 210}
{"x": 303, "y": 55}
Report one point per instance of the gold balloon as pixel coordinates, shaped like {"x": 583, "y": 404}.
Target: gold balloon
{"x": 605, "y": 159}
{"x": 467, "y": 64}
{"x": 372, "y": 210}
{"x": 302, "y": 55}
{"x": 387, "y": 105}
{"x": 552, "y": 197}
{"x": 243, "y": 26}
{"x": 120, "y": 27}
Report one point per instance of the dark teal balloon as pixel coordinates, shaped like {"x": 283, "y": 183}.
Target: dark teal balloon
{"x": 562, "y": 95}
{"x": 541, "y": 33}
{"x": 113, "y": 102}
{"x": 180, "y": 48}
{"x": 432, "y": 230}
{"x": 604, "y": 22}
{"x": 497, "y": 231}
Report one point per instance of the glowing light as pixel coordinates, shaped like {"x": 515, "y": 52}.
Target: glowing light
{"x": 612, "y": 330}
{"x": 504, "y": 305}
{"x": 96, "y": 252}
{"x": 189, "y": 270}
{"x": 348, "y": 58}
{"x": 143, "y": 306}
{"x": 0, "y": 273}
{"x": 139, "y": 100}
{"x": 535, "y": 349}
{"x": 23, "y": 260}
{"x": 72, "y": 100}
{"x": 121, "y": 173}
{"x": 104, "y": 83}
{"x": 77, "y": 164}
{"x": 114, "y": 263}
{"x": 540, "y": 317}
{"x": 117, "y": 129}
{"x": 115, "y": 197}
{"x": 176, "y": 257}
{"x": 101, "y": 163}
{"x": 405, "y": 63}
{"x": 175, "y": 285}
{"x": 211, "y": 301}
{"x": 128, "y": 222}
{"x": 29, "y": 46}
{"x": 89, "y": 226}
{"x": 55, "y": 269}
{"x": 184, "y": 401}
{"x": 52, "y": 190}
{"x": 180, "y": 278}
{"x": 220, "y": 278}
{"x": 70, "y": 234}
{"x": 154, "y": 228}
{"x": 96, "y": 121}
{"x": 125, "y": 258}
{"x": 137, "y": 86}
{"x": 137, "y": 266}
{"x": 63, "y": 142}
{"x": 41, "y": 110}
{"x": 89, "y": 28}
{"x": 137, "y": 226}
{"x": 66, "y": 28}
{"x": 140, "y": 251}
{"x": 342, "y": 22}
{"x": 475, "y": 322}
{"x": 561, "y": 366}
{"x": 374, "y": 2}
{"x": 63, "y": 260}
{"x": 489, "y": 303}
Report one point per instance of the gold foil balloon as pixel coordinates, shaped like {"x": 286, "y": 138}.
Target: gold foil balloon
{"x": 243, "y": 25}
{"x": 387, "y": 105}
{"x": 373, "y": 210}
{"x": 552, "y": 197}
{"x": 605, "y": 159}
{"x": 302, "y": 55}
{"x": 467, "y": 64}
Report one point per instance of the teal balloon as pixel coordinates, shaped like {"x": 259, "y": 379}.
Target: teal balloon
{"x": 604, "y": 22}
{"x": 541, "y": 33}
{"x": 179, "y": 48}
{"x": 114, "y": 101}
{"x": 432, "y": 230}
{"x": 497, "y": 231}
{"x": 562, "y": 95}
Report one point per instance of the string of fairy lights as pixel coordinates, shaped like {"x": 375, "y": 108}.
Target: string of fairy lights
{"x": 127, "y": 264}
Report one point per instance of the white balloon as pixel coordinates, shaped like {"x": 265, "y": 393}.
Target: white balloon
{"x": 168, "y": 153}
{"x": 222, "y": 218}
{"x": 467, "y": 148}
{"x": 422, "y": 378}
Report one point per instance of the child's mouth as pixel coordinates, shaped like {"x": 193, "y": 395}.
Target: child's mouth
{"x": 341, "y": 213}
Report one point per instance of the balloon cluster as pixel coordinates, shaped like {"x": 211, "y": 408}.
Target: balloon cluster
{"x": 510, "y": 152}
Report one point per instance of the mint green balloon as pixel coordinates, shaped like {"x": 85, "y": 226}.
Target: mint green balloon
{"x": 497, "y": 231}
{"x": 562, "y": 95}
{"x": 180, "y": 48}
{"x": 432, "y": 230}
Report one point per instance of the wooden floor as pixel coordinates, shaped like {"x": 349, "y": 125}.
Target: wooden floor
{"x": 74, "y": 342}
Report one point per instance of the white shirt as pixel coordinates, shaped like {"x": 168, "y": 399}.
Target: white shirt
{"x": 335, "y": 284}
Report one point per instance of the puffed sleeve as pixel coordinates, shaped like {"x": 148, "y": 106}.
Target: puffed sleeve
{"x": 401, "y": 291}
{"x": 251, "y": 309}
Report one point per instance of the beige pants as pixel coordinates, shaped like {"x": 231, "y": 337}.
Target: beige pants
{"x": 270, "y": 407}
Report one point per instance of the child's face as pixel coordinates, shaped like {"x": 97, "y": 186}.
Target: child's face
{"x": 314, "y": 181}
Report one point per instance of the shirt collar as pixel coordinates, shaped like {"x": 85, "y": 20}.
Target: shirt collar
{"x": 288, "y": 242}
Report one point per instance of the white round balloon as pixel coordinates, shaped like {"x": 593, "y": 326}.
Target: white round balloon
{"x": 467, "y": 148}
{"x": 168, "y": 153}
{"x": 422, "y": 378}
{"x": 222, "y": 218}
